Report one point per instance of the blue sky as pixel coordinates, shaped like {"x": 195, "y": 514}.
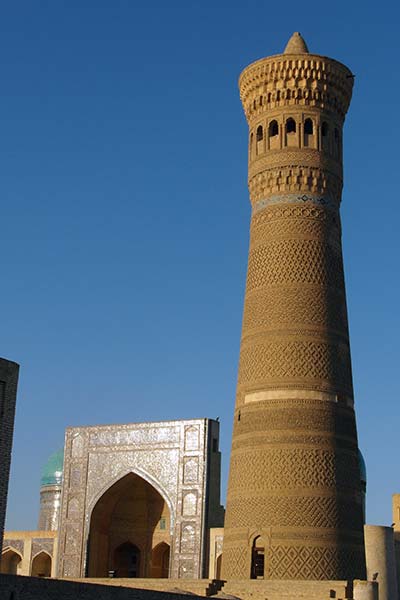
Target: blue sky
{"x": 125, "y": 215}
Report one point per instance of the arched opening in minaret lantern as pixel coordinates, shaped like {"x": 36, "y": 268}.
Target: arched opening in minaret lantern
{"x": 129, "y": 531}
{"x": 291, "y": 137}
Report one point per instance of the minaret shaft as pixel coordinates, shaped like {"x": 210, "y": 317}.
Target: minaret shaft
{"x": 294, "y": 506}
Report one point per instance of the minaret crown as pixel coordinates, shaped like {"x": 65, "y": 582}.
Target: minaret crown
{"x": 296, "y": 45}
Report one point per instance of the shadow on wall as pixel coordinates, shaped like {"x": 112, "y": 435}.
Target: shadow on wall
{"x": 14, "y": 587}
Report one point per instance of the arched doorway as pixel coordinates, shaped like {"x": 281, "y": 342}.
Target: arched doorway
{"x": 128, "y": 522}
{"x": 160, "y": 561}
{"x": 257, "y": 558}
{"x": 41, "y": 565}
{"x": 10, "y": 562}
{"x": 126, "y": 561}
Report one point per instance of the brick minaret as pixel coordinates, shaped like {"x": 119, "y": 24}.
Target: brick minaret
{"x": 294, "y": 506}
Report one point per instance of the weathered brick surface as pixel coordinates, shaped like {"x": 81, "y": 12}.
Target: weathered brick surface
{"x": 8, "y": 392}
{"x": 15, "y": 587}
{"x": 294, "y": 504}
{"x": 257, "y": 589}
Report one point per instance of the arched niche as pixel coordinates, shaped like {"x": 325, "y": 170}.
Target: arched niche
{"x": 126, "y": 560}
{"x": 10, "y": 562}
{"x": 160, "y": 560}
{"x": 130, "y": 513}
{"x": 41, "y": 565}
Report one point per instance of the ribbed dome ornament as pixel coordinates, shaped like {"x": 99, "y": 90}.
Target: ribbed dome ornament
{"x": 296, "y": 45}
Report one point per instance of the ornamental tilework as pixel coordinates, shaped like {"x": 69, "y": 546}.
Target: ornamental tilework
{"x": 166, "y": 456}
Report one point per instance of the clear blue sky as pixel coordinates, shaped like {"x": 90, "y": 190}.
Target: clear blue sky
{"x": 125, "y": 215}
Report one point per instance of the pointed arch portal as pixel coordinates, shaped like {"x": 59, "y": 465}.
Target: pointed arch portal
{"x": 129, "y": 531}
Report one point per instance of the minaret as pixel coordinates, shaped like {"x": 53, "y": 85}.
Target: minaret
{"x": 50, "y": 492}
{"x": 294, "y": 505}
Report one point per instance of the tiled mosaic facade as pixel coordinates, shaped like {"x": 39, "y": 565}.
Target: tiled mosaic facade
{"x": 8, "y": 393}
{"x": 294, "y": 482}
{"x": 179, "y": 459}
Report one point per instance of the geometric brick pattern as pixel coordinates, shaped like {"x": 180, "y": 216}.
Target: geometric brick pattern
{"x": 294, "y": 261}
{"x": 306, "y": 306}
{"x": 294, "y": 511}
{"x": 237, "y": 559}
{"x": 294, "y": 475}
{"x": 324, "y": 84}
{"x": 310, "y": 562}
{"x": 319, "y": 469}
{"x": 302, "y": 179}
{"x": 286, "y": 221}
{"x": 328, "y": 364}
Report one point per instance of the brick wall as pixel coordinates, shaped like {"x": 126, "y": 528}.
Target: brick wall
{"x": 15, "y": 587}
{"x": 8, "y": 392}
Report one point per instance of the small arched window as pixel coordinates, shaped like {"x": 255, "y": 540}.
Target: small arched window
{"x": 290, "y": 126}
{"x": 324, "y": 129}
{"x": 308, "y": 127}
{"x": 259, "y": 134}
{"x": 273, "y": 129}
{"x": 261, "y": 100}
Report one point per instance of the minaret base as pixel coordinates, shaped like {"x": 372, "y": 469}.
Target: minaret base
{"x": 260, "y": 589}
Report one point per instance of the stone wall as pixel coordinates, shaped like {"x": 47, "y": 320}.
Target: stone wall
{"x": 14, "y": 587}
{"x": 381, "y": 559}
{"x": 8, "y": 392}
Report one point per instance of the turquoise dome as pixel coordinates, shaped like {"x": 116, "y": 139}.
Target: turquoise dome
{"x": 363, "y": 468}
{"x": 53, "y": 469}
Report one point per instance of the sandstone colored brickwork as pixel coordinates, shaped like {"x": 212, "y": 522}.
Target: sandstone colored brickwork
{"x": 294, "y": 475}
{"x": 8, "y": 393}
{"x": 27, "y": 547}
{"x": 289, "y": 590}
